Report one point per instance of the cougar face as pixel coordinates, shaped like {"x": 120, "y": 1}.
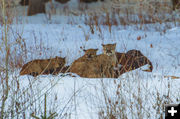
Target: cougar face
{"x": 109, "y": 49}
{"x": 90, "y": 53}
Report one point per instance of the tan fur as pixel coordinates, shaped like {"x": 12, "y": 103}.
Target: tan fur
{"x": 99, "y": 66}
{"x": 79, "y": 65}
{"x": 105, "y": 63}
{"x": 40, "y": 66}
{"x": 103, "y": 66}
{"x": 63, "y": 69}
{"x": 110, "y": 50}
{"x": 89, "y": 54}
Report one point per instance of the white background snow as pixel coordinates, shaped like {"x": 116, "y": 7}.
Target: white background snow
{"x": 82, "y": 97}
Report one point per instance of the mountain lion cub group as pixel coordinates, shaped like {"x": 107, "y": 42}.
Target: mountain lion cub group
{"x": 96, "y": 66}
{"x": 110, "y": 64}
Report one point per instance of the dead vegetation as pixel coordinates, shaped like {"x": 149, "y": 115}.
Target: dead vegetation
{"x": 46, "y": 66}
{"x": 17, "y": 102}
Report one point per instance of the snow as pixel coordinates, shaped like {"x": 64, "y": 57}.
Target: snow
{"x": 82, "y": 98}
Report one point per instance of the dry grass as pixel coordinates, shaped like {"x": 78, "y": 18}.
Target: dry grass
{"x": 132, "y": 98}
{"x": 122, "y": 101}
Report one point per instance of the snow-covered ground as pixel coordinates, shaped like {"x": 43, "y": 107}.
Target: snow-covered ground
{"x": 80, "y": 98}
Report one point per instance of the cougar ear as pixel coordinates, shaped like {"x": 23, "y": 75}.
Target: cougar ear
{"x": 64, "y": 59}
